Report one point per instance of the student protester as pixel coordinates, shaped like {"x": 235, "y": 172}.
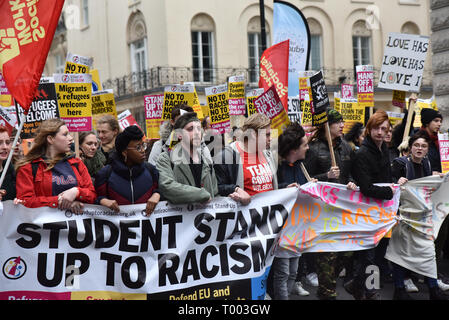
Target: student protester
{"x": 318, "y": 164}
{"x": 371, "y": 165}
{"x": 431, "y": 123}
{"x": 247, "y": 167}
{"x": 90, "y": 153}
{"x": 406, "y": 168}
{"x": 128, "y": 179}
{"x": 393, "y": 151}
{"x": 355, "y": 136}
{"x": 50, "y": 175}
{"x": 8, "y": 188}
{"x": 186, "y": 173}
{"x": 107, "y": 129}
{"x": 163, "y": 144}
{"x": 293, "y": 146}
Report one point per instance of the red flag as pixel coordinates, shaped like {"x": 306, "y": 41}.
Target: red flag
{"x": 26, "y": 33}
{"x": 274, "y": 70}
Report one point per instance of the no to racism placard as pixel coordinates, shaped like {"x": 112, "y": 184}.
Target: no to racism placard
{"x": 403, "y": 62}
{"x": 252, "y": 95}
{"x": 175, "y": 95}
{"x": 77, "y": 64}
{"x": 305, "y": 97}
{"x": 74, "y": 94}
{"x": 217, "y": 101}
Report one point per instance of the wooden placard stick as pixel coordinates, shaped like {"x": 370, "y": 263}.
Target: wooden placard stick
{"x": 411, "y": 109}
{"x": 304, "y": 170}
{"x": 329, "y": 142}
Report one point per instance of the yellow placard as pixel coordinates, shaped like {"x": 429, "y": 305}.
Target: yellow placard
{"x": 217, "y": 100}
{"x": 306, "y": 118}
{"x": 351, "y": 112}
{"x": 337, "y": 104}
{"x": 422, "y": 104}
{"x": 176, "y": 95}
{"x": 103, "y": 102}
{"x": 74, "y": 93}
{"x": 96, "y": 83}
{"x": 77, "y": 64}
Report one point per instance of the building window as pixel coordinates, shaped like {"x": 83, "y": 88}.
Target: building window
{"x": 410, "y": 28}
{"x": 85, "y": 6}
{"x": 316, "y": 56}
{"x": 361, "y": 44}
{"x": 255, "y": 49}
{"x": 139, "y": 55}
{"x": 202, "y": 53}
{"x": 315, "y": 53}
{"x": 203, "y": 48}
{"x": 59, "y": 63}
{"x": 254, "y": 54}
{"x": 138, "y": 50}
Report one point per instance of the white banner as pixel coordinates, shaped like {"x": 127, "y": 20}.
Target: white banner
{"x": 424, "y": 206}
{"x": 220, "y": 250}
{"x": 329, "y": 217}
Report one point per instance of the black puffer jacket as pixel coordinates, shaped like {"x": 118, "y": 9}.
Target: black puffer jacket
{"x": 318, "y": 160}
{"x": 371, "y": 165}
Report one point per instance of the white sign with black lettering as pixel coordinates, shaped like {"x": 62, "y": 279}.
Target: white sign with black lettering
{"x": 403, "y": 62}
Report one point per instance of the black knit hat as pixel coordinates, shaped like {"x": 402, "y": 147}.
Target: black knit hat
{"x": 129, "y": 134}
{"x": 428, "y": 114}
{"x": 183, "y": 120}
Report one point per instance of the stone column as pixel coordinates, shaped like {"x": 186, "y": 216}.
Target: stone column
{"x": 439, "y": 22}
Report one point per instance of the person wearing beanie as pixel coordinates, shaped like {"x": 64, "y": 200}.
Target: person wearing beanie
{"x": 186, "y": 172}
{"x": 318, "y": 164}
{"x": 128, "y": 179}
{"x": 431, "y": 123}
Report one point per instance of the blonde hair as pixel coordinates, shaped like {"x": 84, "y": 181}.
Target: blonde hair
{"x": 47, "y": 128}
{"x": 256, "y": 121}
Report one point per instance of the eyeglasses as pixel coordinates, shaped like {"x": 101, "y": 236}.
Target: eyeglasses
{"x": 140, "y": 148}
{"x": 420, "y": 146}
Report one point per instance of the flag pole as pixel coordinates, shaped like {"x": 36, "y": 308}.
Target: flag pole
{"x": 16, "y": 138}
{"x": 263, "y": 33}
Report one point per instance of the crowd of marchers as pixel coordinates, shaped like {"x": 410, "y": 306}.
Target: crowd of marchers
{"x": 191, "y": 163}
